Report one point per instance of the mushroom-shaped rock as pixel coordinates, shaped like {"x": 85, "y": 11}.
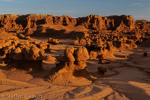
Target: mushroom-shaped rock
{"x": 81, "y": 54}
{"x": 70, "y": 49}
{"x": 81, "y": 65}
{"x": 69, "y": 68}
{"x": 50, "y": 59}
{"x": 69, "y": 57}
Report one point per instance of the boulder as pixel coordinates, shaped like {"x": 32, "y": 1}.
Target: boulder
{"x": 145, "y": 54}
{"x": 93, "y": 55}
{"x": 69, "y": 49}
{"x": 76, "y": 42}
{"x": 69, "y": 57}
{"x": 102, "y": 70}
{"x": 81, "y": 54}
{"x": 50, "y": 59}
{"x": 53, "y": 41}
{"x": 82, "y": 42}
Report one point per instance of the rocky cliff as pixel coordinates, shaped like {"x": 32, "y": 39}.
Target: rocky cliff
{"x": 19, "y": 22}
{"x": 23, "y": 23}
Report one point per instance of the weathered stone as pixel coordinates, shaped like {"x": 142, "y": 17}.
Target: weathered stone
{"x": 81, "y": 54}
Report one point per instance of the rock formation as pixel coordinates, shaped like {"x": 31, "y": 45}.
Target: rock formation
{"x": 53, "y": 41}
{"x": 98, "y": 46}
{"x": 30, "y": 24}
{"x": 24, "y": 55}
{"x": 20, "y": 22}
{"x": 25, "y": 58}
{"x": 33, "y": 24}
{"x": 102, "y": 70}
{"x": 72, "y": 67}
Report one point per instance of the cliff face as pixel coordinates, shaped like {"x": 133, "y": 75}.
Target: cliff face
{"x": 94, "y": 22}
{"x": 106, "y": 23}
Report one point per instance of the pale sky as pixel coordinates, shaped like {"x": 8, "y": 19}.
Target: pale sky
{"x": 139, "y": 9}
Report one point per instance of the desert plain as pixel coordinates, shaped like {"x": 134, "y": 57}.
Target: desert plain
{"x": 47, "y": 57}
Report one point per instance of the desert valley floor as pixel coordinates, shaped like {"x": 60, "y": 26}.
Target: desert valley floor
{"x": 45, "y": 57}
{"x": 128, "y": 77}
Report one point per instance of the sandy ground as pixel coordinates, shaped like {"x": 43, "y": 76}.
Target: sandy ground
{"x": 126, "y": 79}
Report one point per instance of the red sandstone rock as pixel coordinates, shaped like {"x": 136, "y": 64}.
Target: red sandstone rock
{"x": 76, "y": 42}
{"x": 81, "y": 54}
{"x": 69, "y": 57}
{"x": 93, "y": 55}
{"x": 53, "y": 41}
{"x": 82, "y": 42}
{"x": 69, "y": 49}
{"x": 66, "y": 69}
{"x": 27, "y": 24}
{"x": 50, "y": 59}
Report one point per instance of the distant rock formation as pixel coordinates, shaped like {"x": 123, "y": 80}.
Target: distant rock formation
{"x": 28, "y": 24}
{"x": 21, "y": 22}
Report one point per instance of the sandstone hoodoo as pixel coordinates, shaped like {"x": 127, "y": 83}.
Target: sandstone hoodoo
{"x": 53, "y": 41}
{"x": 64, "y": 58}
{"x": 25, "y": 58}
{"x": 25, "y": 55}
{"x": 97, "y": 47}
{"x": 7, "y": 45}
{"x": 71, "y": 69}
{"x": 39, "y": 54}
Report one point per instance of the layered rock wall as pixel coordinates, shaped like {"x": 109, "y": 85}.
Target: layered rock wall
{"x": 19, "y": 23}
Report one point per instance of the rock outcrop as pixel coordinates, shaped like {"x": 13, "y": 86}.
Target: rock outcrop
{"x": 20, "y": 22}
{"x": 33, "y": 25}
{"x": 53, "y": 41}
{"x": 25, "y": 58}
{"x": 72, "y": 67}
{"x": 25, "y": 55}
{"x": 30, "y": 24}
